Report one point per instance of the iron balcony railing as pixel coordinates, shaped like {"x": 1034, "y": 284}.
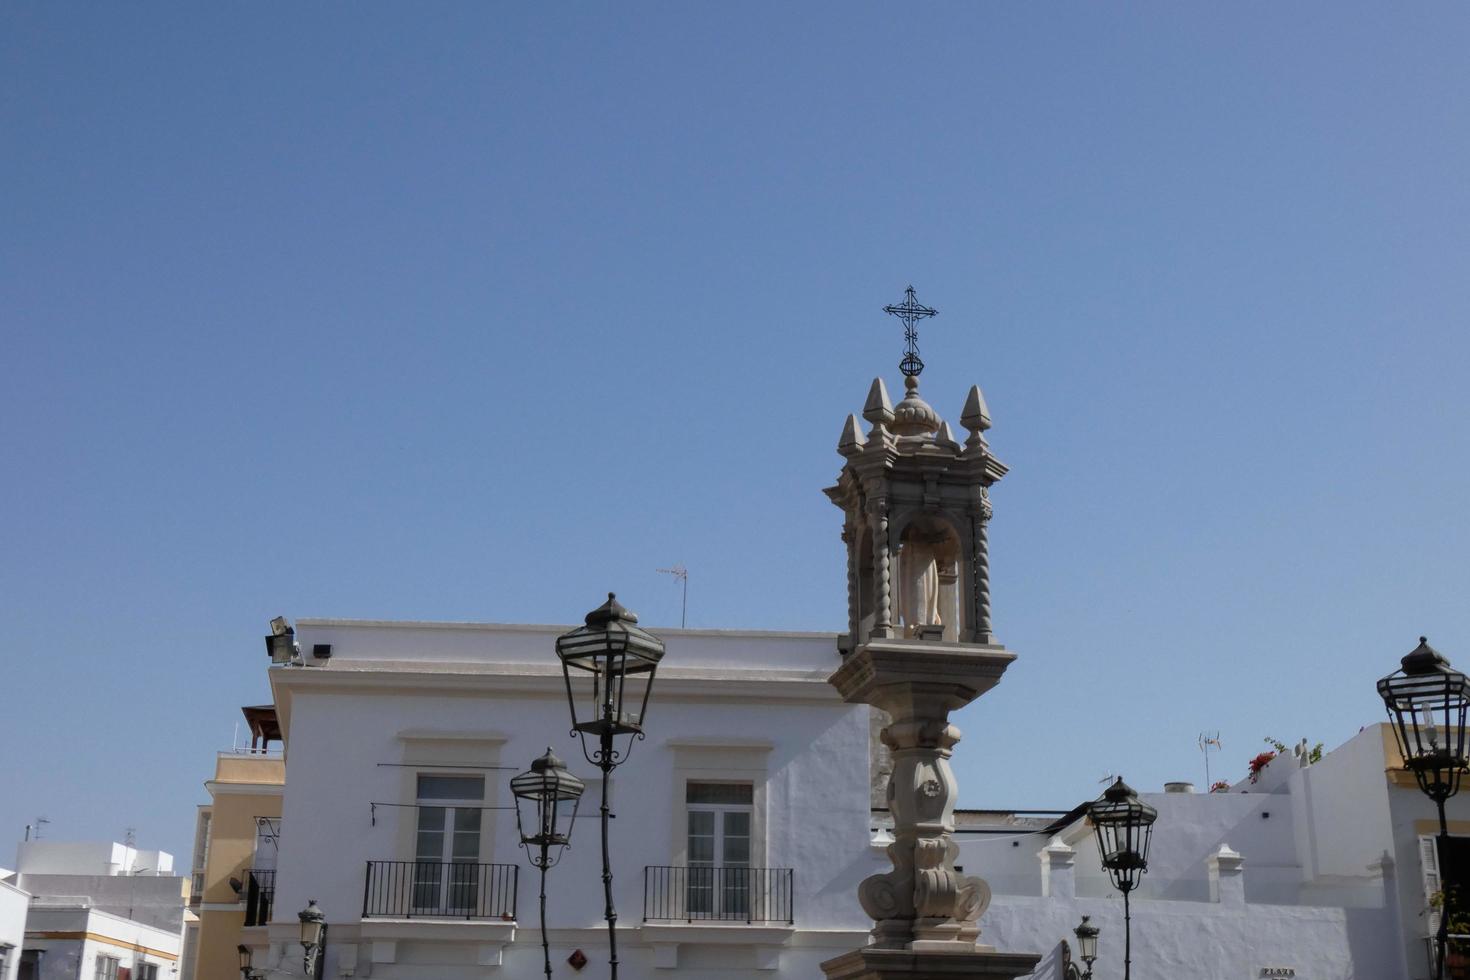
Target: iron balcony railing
{"x": 706, "y": 893}
{"x": 260, "y": 895}
{"x": 439, "y": 889}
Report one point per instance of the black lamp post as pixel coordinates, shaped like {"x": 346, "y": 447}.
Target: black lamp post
{"x": 1086, "y": 934}
{"x": 1124, "y": 826}
{"x": 313, "y": 938}
{"x": 1426, "y": 698}
{"x": 548, "y": 787}
{"x": 246, "y": 963}
{"x": 620, "y": 659}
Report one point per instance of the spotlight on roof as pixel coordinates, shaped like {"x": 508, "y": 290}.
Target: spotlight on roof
{"x": 281, "y": 644}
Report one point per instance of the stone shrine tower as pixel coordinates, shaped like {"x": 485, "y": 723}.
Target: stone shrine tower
{"x": 917, "y": 504}
{"x": 920, "y": 645}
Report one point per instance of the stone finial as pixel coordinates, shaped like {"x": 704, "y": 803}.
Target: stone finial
{"x": 976, "y": 416}
{"x": 878, "y": 410}
{"x": 945, "y": 437}
{"x": 851, "y": 442}
{"x": 913, "y": 416}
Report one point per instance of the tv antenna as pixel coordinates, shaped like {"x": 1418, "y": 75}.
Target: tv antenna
{"x": 682, "y": 574}
{"x": 1208, "y": 741}
{"x": 40, "y": 822}
{"x": 910, "y": 311}
{"x": 1108, "y": 778}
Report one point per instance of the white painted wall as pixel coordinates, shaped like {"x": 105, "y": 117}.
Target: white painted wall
{"x": 133, "y": 943}
{"x": 1314, "y": 893}
{"x": 151, "y": 900}
{"x": 811, "y": 777}
{"x": 52, "y": 857}
{"x": 14, "y": 903}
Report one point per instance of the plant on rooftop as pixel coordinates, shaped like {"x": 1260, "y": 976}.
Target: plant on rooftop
{"x": 1260, "y": 762}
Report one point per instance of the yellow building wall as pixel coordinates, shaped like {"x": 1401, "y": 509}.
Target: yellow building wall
{"x": 219, "y": 934}
{"x": 231, "y": 851}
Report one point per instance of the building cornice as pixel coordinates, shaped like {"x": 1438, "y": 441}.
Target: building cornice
{"x": 218, "y": 788}
{"x": 548, "y": 629}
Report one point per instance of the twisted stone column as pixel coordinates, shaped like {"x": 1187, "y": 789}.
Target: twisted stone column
{"x": 882, "y": 574}
{"x": 980, "y": 569}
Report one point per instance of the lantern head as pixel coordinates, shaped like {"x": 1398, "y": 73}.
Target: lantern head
{"x": 619, "y": 659}
{"x": 313, "y": 922}
{"x": 1086, "y": 934}
{"x": 1426, "y": 699}
{"x": 546, "y": 798}
{"x": 1124, "y": 826}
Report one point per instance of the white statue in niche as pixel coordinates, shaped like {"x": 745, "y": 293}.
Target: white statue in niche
{"x": 928, "y": 579}
{"x": 918, "y": 599}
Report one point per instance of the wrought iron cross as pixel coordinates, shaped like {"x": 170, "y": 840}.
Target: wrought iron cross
{"x": 910, "y": 311}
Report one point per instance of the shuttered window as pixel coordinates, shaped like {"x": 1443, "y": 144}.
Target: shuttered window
{"x": 1429, "y": 868}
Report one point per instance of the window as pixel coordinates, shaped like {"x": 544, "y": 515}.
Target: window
{"x": 719, "y": 848}
{"x": 106, "y": 967}
{"x": 447, "y": 847}
{"x": 267, "y": 843}
{"x": 146, "y": 971}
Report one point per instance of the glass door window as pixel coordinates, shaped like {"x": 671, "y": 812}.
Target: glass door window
{"x": 447, "y": 847}
{"x": 719, "y": 875}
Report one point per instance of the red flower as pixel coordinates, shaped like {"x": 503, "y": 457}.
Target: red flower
{"x": 1260, "y": 762}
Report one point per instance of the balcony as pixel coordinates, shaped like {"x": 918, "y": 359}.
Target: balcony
{"x": 715, "y": 894}
{"x": 439, "y": 890}
{"x": 260, "y": 895}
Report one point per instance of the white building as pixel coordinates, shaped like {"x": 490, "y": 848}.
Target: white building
{"x": 402, "y": 742}
{"x": 399, "y": 749}
{"x": 1312, "y": 871}
{"x": 99, "y": 911}
{"x": 13, "y": 906}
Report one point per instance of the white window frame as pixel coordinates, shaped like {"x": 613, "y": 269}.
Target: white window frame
{"x": 106, "y": 967}
{"x": 451, "y": 807}
{"x": 728, "y": 894}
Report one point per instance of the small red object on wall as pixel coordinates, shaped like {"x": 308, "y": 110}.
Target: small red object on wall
{"x": 578, "y": 959}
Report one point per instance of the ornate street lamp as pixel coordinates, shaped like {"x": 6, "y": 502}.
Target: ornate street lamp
{"x": 620, "y": 659}
{"x": 544, "y": 820}
{"x": 246, "y": 963}
{"x": 1427, "y": 698}
{"x": 1086, "y": 934}
{"x": 313, "y": 938}
{"x": 1124, "y": 827}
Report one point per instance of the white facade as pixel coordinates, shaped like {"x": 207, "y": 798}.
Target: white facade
{"x": 749, "y": 712}
{"x": 13, "y": 906}
{"x": 53, "y": 857}
{"x": 97, "y": 906}
{"x": 1269, "y": 876}
{"x": 1319, "y": 870}
{"x": 77, "y": 943}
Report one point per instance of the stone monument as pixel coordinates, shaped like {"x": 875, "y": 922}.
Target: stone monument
{"x": 919, "y": 646}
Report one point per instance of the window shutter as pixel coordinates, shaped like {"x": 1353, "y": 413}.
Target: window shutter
{"x": 1429, "y": 865}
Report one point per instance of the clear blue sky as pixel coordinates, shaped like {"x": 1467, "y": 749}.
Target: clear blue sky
{"x": 476, "y": 311}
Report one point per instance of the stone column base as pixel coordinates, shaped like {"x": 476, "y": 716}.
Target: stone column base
{"x": 873, "y": 963}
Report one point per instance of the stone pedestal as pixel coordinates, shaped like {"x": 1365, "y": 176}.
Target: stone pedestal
{"x": 872, "y": 963}
{"x": 923, "y": 909}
